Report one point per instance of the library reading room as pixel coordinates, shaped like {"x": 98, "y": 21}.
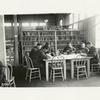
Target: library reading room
{"x": 49, "y": 50}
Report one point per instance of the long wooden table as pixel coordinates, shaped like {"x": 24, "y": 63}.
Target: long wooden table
{"x": 72, "y": 58}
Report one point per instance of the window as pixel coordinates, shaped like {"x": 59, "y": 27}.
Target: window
{"x": 97, "y": 32}
{"x": 7, "y": 24}
{"x": 17, "y": 24}
{"x": 75, "y": 26}
{"x": 34, "y": 24}
{"x": 71, "y": 19}
{"x": 76, "y": 17}
{"x": 61, "y": 22}
{"x": 25, "y": 24}
{"x": 42, "y": 24}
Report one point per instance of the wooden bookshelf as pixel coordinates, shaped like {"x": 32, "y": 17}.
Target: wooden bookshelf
{"x": 10, "y": 51}
{"x": 56, "y": 38}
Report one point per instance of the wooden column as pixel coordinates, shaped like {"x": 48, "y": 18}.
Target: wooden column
{"x": 16, "y": 41}
{"x": 2, "y": 41}
{"x": 56, "y": 42}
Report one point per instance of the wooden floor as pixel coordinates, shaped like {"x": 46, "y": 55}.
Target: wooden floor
{"x": 93, "y": 81}
{"x": 19, "y": 73}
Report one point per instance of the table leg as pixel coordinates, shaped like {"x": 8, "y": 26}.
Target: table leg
{"x": 64, "y": 69}
{"x": 88, "y": 67}
{"x": 72, "y": 69}
{"x": 47, "y": 71}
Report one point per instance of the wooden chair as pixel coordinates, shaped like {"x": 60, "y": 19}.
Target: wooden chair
{"x": 57, "y": 68}
{"x": 10, "y": 79}
{"x": 31, "y": 71}
{"x": 80, "y": 68}
{"x": 95, "y": 68}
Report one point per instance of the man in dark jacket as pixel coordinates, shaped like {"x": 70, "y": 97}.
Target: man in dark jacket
{"x": 93, "y": 53}
{"x": 37, "y": 56}
{"x": 69, "y": 49}
{"x": 83, "y": 48}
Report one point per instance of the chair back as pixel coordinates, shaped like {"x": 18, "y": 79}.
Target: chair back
{"x": 98, "y": 55}
{"x": 57, "y": 61}
{"x": 80, "y": 62}
{"x": 29, "y": 62}
{"x": 9, "y": 72}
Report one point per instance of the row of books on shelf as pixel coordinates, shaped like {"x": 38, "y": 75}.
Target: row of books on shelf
{"x": 39, "y": 38}
{"x": 47, "y": 33}
{"x": 28, "y": 49}
{"x": 74, "y": 42}
{"x": 32, "y": 33}
{"x": 66, "y": 37}
{"x": 42, "y": 40}
{"x": 59, "y": 38}
{"x": 26, "y": 33}
{"x": 29, "y": 33}
{"x": 30, "y": 43}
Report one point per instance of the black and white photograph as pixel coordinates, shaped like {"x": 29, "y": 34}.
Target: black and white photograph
{"x": 46, "y": 45}
{"x": 50, "y": 50}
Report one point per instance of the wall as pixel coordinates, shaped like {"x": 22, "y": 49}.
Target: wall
{"x": 87, "y": 29}
{"x": 65, "y": 19}
{"x": 86, "y": 26}
{"x": 53, "y": 20}
{"x": 9, "y": 31}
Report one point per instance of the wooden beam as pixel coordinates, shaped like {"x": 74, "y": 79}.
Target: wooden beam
{"x": 16, "y": 41}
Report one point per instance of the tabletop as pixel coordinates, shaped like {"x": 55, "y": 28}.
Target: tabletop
{"x": 69, "y": 57}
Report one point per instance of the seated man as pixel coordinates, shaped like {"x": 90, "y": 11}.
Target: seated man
{"x": 46, "y": 48}
{"x": 69, "y": 49}
{"x": 37, "y": 57}
{"x": 92, "y": 53}
{"x": 83, "y": 49}
{"x": 33, "y": 49}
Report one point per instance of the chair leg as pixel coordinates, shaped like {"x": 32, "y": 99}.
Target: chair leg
{"x": 77, "y": 74}
{"x": 62, "y": 74}
{"x": 53, "y": 75}
{"x": 14, "y": 84}
{"x": 39, "y": 74}
{"x": 86, "y": 74}
{"x": 30, "y": 74}
{"x": 26, "y": 75}
{"x": 98, "y": 68}
{"x": 92, "y": 68}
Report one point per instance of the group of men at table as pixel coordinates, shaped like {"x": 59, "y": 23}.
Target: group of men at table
{"x": 40, "y": 52}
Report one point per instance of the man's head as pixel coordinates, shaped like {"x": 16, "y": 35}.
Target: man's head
{"x": 89, "y": 44}
{"x": 83, "y": 45}
{"x": 35, "y": 43}
{"x": 70, "y": 45}
{"x": 39, "y": 46}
